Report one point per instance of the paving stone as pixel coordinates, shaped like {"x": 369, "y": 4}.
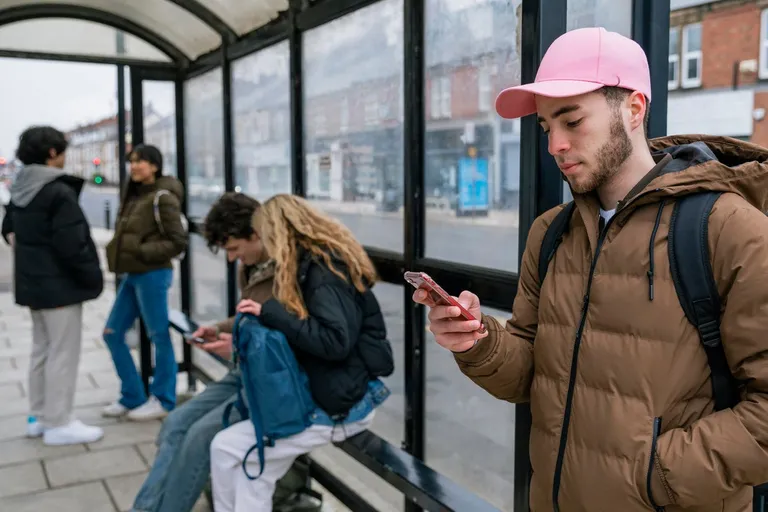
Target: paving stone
{"x": 11, "y": 391}
{"x": 148, "y": 451}
{"x": 124, "y": 489}
{"x": 93, "y": 466}
{"x": 90, "y": 497}
{"x": 127, "y": 433}
{"x": 22, "y": 479}
{"x": 26, "y": 450}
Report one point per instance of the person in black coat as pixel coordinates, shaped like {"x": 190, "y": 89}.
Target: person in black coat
{"x": 56, "y": 270}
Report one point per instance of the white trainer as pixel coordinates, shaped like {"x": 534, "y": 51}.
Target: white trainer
{"x": 151, "y": 410}
{"x": 75, "y": 432}
{"x": 34, "y": 427}
{"x": 114, "y": 410}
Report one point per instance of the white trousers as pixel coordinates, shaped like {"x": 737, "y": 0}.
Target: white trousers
{"x": 234, "y": 492}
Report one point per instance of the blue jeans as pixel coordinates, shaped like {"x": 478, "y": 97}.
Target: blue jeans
{"x": 145, "y": 294}
{"x": 182, "y": 464}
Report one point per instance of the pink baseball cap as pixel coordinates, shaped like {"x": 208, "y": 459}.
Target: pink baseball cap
{"x": 578, "y": 62}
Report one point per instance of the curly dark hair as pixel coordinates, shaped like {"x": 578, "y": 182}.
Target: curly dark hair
{"x": 231, "y": 216}
{"x": 36, "y": 143}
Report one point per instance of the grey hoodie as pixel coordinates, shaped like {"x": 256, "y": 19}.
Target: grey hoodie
{"x": 32, "y": 178}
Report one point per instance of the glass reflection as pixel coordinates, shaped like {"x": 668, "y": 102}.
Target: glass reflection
{"x": 353, "y": 121}
{"x": 262, "y": 127}
{"x": 472, "y": 161}
{"x": 204, "y": 141}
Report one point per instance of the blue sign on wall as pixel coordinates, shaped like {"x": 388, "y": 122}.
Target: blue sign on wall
{"x": 473, "y": 185}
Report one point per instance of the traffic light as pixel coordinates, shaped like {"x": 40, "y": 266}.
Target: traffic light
{"x": 98, "y": 179}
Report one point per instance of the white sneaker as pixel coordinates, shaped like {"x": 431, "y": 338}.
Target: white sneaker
{"x": 34, "y": 427}
{"x": 114, "y": 410}
{"x": 151, "y": 410}
{"x": 75, "y": 432}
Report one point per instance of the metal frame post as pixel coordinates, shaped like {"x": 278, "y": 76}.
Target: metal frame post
{"x": 296, "y": 99}
{"x": 541, "y": 186}
{"x": 650, "y": 28}
{"x": 413, "y": 226}
{"x": 229, "y": 171}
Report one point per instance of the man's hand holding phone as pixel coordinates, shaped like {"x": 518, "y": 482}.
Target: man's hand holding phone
{"x": 221, "y": 345}
{"x": 451, "y": 330}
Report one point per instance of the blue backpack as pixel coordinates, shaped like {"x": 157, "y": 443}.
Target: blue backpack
{"x": 276, "y": 387}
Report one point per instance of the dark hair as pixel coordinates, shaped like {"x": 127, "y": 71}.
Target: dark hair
{"x": 231, "y": 216}
{"x": 36, "y": 143}
{"x": 615, "y": 95}
{"x": 149, "y": 154}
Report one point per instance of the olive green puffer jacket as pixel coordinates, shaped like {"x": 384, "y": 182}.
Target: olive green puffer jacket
{"x": 139, "y": 245}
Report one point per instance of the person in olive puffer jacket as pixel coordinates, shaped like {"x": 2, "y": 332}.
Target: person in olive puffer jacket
{"x": 142, "y": 250}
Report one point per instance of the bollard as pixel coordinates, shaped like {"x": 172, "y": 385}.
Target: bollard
{"x": 107, "y": 215}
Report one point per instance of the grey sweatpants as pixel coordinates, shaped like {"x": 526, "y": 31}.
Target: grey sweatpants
{"x": 56, "y": 342}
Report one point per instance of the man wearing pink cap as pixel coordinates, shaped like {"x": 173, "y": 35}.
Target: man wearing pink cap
{"x": 618, "y": 378}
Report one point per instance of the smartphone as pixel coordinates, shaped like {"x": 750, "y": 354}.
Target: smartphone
{"x": 421, "y": 280}
{"x": 195, "y": 339}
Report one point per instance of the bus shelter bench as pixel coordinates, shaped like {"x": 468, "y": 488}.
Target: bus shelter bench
{"x": 418, "y": 483}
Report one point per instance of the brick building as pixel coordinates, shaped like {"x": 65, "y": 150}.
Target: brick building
{"x": 718, "y": 68}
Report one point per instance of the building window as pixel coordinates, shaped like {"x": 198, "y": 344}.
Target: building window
{"x": 674, "y": 58}
{"x": 484, "y": 89}
{"x": 763, "y": 72}
{"x": 440, "y": 97}
{"x": 692, "y": 56}
{"x": 371, "y": 110}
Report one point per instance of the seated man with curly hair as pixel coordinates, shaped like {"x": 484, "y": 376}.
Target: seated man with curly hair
{"x": 182, "y": 464}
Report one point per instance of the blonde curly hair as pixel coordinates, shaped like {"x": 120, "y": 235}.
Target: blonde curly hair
{"x": 287, "y": 223}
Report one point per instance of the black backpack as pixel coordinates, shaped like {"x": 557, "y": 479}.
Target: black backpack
{"x": 694, "y": 283}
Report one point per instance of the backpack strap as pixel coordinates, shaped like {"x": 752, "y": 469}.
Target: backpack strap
{"x": 553, "y": 237}
{"x": 156, "y": 209}
{"x": 694, "y": 280}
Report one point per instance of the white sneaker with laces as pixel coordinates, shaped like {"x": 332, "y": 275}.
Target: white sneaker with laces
{"x": 151, "y": 410}
{"x": 114, "y": 410}
{"x": 75, "y": 432}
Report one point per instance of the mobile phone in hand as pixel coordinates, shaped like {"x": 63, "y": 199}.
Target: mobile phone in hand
{"x": 196, "y": 339}
{"x": 420, "y": 280}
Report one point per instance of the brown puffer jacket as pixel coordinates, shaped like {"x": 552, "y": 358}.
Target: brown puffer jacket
{"x": 139, "y": 245}
{"x": 610, "y": 373}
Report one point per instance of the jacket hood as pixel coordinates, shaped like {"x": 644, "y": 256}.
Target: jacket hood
{"x": 32, "y": 179}
{"x": 701, "y": 163}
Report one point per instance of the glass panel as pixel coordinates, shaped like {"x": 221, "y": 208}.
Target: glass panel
{"x": 55, "y": 35}
{"x": 693, "y": 68}
{"x": 160, "y": 121}
{"x": 470, "y": 434}
{"x": 390, "y": 417}
{"x": 209, "y": 282}
{"x": 674, "y": 41}
{"x": 160, "y": 130}
{"x": 204, "y": 141}
{"x": 472, "y": 161}
{"x": 262, "y": 122}
{"x": 693, "y": 38}
{"x": 614, "y": 15}
{"x": 353, "y": 110}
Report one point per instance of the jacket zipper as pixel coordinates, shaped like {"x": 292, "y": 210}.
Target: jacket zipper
{"x": 651, "y": 460}
{"x": 574, "y": 363}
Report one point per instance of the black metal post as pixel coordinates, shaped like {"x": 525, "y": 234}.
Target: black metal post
{"x": 541, "y": 186}
{"x": 229, "y": 170}
{"x": 185, "y": 268}
{"x": 650, "y": 28}
{"x": 413, "y": 226}
{"x": 121, "y": 129}
{"x": 107, "y": 215}
{"x": 297, "y": 100}
{"x": 137, "y": 137}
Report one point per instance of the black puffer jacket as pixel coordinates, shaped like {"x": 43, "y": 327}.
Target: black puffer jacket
{"x": 56, "y": 263}
{"x": 343, "y": 344}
